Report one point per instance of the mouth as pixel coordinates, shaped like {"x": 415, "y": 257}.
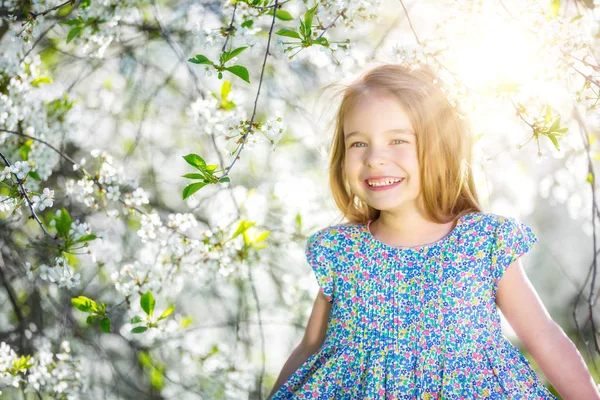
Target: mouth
{"x": 384, "y": 184}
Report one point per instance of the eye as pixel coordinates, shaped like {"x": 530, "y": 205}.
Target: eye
{"x": 396, "y": 140}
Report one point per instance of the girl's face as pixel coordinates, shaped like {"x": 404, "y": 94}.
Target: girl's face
{"x": 380, "y": 142}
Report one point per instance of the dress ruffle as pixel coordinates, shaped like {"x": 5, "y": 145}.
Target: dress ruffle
{"x": 476, "y": 371}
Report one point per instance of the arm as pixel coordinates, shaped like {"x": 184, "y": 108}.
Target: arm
{"x": 314, "y": 336}
{"x": 552, "y": 350}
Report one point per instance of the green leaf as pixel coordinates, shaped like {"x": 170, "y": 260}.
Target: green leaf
{"x": 200, "y": 59}
{"x": 167, "y": 312}
{"x": 84, "y": 304}
{"x": 242, "y": 227}
{"x": 41, "y": 79}
{"x": 247, "y": 23}
{"x": 548, "y": 117}
{"x": 185, "y": 322}
{"x": 63, "y": 223}
{"x": 240, "y": 71}
{"x": 105, "y": 324}
{"x": 262, "y": 236}
{"x": 145, "y": 359}
{"x": 555, "y": 6}
{"x": 195, "y": 161}
{"x": 555, "y": 125}
{"x": 224, "y": 179}
{"x": 34, "y": 175}
{"x": 308, "y": 17}
{"x": 156, "y": 378}
{"x": 590, "y": 178}
{"x": 193, "y": 176}
{"x": 73, "y": 33}
{"x": 575, "y": 18}
{"x": 139, "y": 329}
{"x": 288, "y": 33}
{"x": 228, "y": 55}
{"x": 302, "y": 28}
{"x": 90, "y": 319}
{"x": 299, "y": 221}
{"x": 86, "y": 238}
{"x": 284, "y": 15}
{"x": 25, "y": 149}
{"x": 136, "y": 320}
{"x": 147, "y": 302}
{"x": 225, "y": 89}
{"x": 191, "y": 189}
{"x": 73, "y": 22}
{"x": 322, "y": 41}
{"x": 553, "y": 138}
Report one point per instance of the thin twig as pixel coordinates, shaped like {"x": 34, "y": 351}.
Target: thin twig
{"x": 29, "y": 202}
{"x": 410, "y": 23}
{"x": 256, "y": 98}
{"x": 230, "y": 28}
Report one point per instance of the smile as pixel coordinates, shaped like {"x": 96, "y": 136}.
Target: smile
{"x": 384, "y": 185}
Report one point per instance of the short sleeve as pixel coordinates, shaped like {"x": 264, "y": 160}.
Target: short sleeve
{"x": 319, "y": 256}
{"x": 512, "y": 239}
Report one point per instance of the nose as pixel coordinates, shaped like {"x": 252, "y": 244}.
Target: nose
{"x": 375, "y": 156}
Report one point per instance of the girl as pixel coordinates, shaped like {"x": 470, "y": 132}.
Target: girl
{"x": 409, "y": 288}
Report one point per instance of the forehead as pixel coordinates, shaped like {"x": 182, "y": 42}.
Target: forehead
{"x": 377, "y": 112}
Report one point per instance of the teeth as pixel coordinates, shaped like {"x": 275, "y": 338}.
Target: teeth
{"x": 383, "y": 183}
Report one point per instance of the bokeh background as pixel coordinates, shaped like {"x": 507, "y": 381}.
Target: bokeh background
{"x": 100, "y": 101}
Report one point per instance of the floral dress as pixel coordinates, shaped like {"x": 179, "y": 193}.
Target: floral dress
{"x": 416, "y": 322}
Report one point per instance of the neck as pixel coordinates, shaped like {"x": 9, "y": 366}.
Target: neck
{"x": 409, "y": 229}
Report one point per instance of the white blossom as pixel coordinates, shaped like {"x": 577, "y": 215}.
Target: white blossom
{"x": 5, "y": 174}
{"x": 44, "y": 201}
{"x": 20, "y": 169}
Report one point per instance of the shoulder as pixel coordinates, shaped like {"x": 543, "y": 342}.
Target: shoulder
{"x": 495, "y": 227}
{"x": 488, "y": 222}
{"x": 333, "y": 235}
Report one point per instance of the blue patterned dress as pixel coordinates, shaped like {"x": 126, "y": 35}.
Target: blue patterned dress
{"x": 418, "y": 322}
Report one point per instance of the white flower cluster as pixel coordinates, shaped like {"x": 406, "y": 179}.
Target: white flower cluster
{"x": 213, "y": 120}
{"x": 62, "y": 273}
{"x": 82, "y": 191}
{"x": 113, "y": 14}
{"x": 57, "y": 375}
{"x": 409, "y": 55}
{"x": 112, "y": 179}
{"x": 46, "y": 200}
{"x": 5, "y": 173}
{"x": 273, "y": 129}
{"x": 151, "y": 223}
{"x": 79, "y": 229}
{"x": 7, "y": 358}
{"x": 8, "y": 203}
{"x": 20, "y": 169}
{"x": 22, "y": 106}
{"x": 270, "y": 131}
{"x": 163, "y": 263}
{"x": 247, "y": 34}
{"x": 354, "y": 11}
{"x": 182, "y": 222}
{"x": 225, "y": 381}
{"x": 128, "y": 279}
{"x": 136, "y": 198}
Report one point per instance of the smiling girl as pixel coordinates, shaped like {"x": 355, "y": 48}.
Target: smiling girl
{"x": 412, "y": 285}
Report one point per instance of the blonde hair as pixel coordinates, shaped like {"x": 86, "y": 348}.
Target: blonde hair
{"x": 444, "y": 144}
